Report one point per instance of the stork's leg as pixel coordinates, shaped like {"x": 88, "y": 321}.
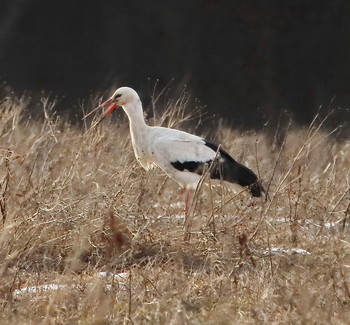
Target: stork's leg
{"x": 188, "y": 201}
{"x": 186, "y": 198}
{"x": 188, "y": 214}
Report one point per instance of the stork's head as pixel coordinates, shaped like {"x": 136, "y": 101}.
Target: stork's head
{"x": 121, "y": 97}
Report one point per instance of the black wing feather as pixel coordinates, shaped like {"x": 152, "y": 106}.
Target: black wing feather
{"x": 232, "y": 171}
{"x": 224, "y": 168}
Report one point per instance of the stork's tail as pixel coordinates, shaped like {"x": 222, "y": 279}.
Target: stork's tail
{"x": 245, "y": 177}
{"x": 256, "y": 189}
{"x": 232, "y": 171}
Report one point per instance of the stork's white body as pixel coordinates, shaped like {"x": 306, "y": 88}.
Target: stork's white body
{"x": 158, "y": 147}
{"x": 180, "y": 155}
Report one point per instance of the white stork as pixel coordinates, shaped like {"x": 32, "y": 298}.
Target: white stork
{"x": 181, "y": 155}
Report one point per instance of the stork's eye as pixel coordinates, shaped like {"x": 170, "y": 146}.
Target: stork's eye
{"x": 117, "y": 96}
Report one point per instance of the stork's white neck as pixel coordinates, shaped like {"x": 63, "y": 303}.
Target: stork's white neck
{"x": 135, "y": 114}
{"x": 139, "y": 132}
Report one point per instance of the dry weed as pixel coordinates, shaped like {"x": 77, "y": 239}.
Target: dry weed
{"x": 74, "y": 204}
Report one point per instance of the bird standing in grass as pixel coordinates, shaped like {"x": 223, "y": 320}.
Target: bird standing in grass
{"x": 182, "y": 156}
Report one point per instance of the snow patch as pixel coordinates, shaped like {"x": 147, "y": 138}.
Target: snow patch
{"x": 40, "y": 288}
{"x": 283, "y": 251}
{"x": 119, "y": 277}
{"x": 335, "y": 226}
{"x": 111, "y": 275}
{"x": 177, "y": 205}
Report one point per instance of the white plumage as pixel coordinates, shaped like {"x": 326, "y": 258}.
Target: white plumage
{"x": 171, "y": 146}
{"x": 180, "y": 155}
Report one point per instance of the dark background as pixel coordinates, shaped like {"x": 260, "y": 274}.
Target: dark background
{"x": 244, "y": 60}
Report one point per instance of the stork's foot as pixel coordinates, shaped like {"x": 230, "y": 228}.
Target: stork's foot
{"x": 187, "y": 199}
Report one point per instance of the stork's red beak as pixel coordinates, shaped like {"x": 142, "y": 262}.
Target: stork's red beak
{"x": 110, "y": 105}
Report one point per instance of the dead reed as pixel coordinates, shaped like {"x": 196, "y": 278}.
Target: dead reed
{"x": 74, "y": 204}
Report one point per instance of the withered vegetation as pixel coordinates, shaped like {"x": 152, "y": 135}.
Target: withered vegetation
{"x": 74, "y": 203}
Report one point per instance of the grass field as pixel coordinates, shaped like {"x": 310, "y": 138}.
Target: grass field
{"x": 75, "y": 204}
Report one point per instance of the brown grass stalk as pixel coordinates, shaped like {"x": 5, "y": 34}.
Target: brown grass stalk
{"x": 89, "y": 238}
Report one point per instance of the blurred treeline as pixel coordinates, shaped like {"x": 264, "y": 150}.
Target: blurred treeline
{"x": 245, "y": 60}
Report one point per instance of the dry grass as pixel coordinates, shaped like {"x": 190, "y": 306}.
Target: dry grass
{"x": 74, "y": 204}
